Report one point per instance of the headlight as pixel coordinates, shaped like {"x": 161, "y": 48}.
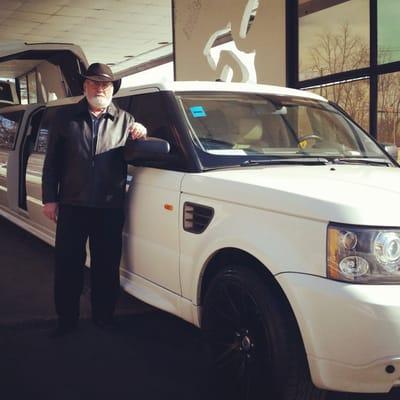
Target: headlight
{"x": 387, "y": 250}
{"x": 363, "y": 255}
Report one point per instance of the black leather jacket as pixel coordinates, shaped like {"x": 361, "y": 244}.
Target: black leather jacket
{"x": 80, "y": 170}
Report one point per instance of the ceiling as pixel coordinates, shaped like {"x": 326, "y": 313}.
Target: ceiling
{"x": 121, "y": 33}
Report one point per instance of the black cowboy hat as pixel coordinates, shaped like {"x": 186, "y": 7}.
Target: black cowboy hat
{"x": 101, "y": 73}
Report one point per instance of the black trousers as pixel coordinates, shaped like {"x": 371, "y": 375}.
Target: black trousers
{"x": 103, "y": 228}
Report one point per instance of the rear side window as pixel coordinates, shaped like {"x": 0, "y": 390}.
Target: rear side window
{"x": 150, "y": 110}
{"x": 5, "y": 92}
{"x": 123, "y": 102}
{"x": 9, "y": 125}
{"x": 154, "y": 112}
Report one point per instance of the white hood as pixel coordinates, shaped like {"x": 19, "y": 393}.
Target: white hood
{"x": 353, "y": 194}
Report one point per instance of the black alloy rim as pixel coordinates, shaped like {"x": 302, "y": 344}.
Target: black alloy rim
{"x": 237, "y": 336}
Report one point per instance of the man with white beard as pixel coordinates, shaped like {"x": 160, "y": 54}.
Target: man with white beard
{"x": 83, "y": 186}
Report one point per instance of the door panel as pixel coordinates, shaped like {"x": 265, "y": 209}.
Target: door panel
{"x": 10, "y": 127}
{"x": 34, "y": 194}
{"x": 3, "y": 178}
{"x": 151, "y": 240}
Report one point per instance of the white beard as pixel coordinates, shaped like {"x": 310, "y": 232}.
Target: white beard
{"x": 99, "y": 101}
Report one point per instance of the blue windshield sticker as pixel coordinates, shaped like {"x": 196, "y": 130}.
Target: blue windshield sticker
{"x": 198, "y": 111}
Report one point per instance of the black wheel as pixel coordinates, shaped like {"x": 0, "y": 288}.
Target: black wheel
{"x": 253, "y": 339}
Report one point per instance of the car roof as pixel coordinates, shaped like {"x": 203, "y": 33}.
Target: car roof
{"x": 199, "y": 86}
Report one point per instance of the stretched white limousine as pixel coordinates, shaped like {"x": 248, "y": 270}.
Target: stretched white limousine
{"x": 260, "y": 225}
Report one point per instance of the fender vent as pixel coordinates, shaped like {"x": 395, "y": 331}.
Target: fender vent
{"x": 196, "y": 217}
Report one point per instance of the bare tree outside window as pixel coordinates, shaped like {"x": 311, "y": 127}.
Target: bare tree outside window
{"x": 344, "y": 51}
{"x": 389, "y": 108}
{"x": 338, "y": 52}
{"x": 352, "y": 96}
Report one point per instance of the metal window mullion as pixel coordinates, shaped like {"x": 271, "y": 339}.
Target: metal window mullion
{"x": 292, "y": 44}
{"x": 27, "y": 88}
{"x": 373, "y": 106}
{"x": 373, "y": 46}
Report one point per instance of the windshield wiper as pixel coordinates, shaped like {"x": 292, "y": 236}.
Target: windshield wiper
{"x": 282, "y": 161}
{"x": 362, "y": 160}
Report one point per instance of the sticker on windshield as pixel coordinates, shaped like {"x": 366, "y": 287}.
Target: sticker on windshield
{"x": 198, "y": 111}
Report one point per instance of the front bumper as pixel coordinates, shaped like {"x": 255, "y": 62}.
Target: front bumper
{"x": 351, "y": 333}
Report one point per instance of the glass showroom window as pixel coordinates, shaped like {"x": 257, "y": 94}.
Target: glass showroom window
{"x": 332, "y": 39}
{"x": 388, "y": 31}
{"x": 335, "y": 54}
{"x": 352, "y": 96}
{"x": 389, "y": 108}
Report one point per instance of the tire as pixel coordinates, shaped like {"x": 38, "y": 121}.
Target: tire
{"x": 253, "y": 339}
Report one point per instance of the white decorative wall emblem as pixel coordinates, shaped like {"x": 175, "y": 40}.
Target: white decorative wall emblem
{"x": 235, "y": 63}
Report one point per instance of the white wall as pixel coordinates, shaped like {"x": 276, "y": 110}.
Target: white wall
{"x": 164, "y": 72}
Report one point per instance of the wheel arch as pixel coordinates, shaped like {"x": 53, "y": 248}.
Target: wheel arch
{"x": 232, "y": 255}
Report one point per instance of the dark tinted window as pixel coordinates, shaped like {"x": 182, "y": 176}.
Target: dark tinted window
{"x": 5, "y": 92}
{"x": 123, "y": 102}
{"x": 9, "y": 125}
{"x": 150, "y": 110}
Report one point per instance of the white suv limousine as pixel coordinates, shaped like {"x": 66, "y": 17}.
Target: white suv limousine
{"x": 272, "y": 223}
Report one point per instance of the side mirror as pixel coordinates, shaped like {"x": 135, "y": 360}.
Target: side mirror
{"x": 391, "y": 149}
{"x": 148, "y": 149}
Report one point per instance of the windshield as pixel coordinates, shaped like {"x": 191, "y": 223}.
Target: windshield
{"x": 249, "y": 125}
